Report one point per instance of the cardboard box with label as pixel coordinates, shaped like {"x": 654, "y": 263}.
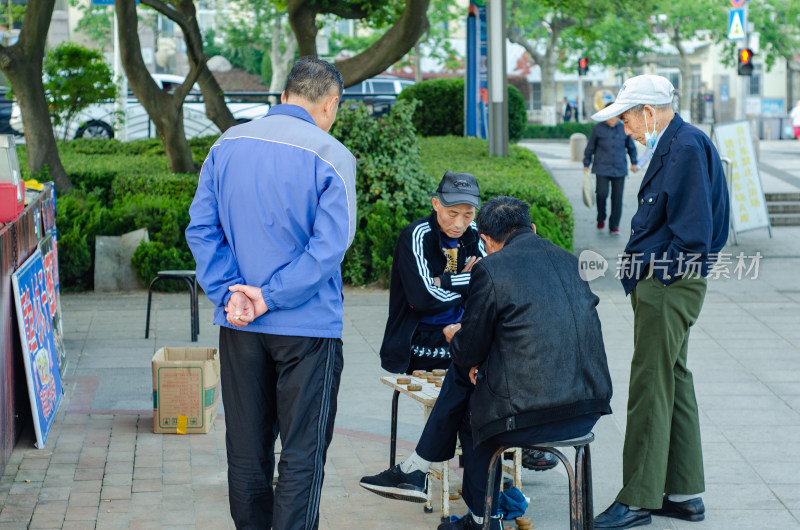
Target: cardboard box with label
{"x": 185, "y": 390}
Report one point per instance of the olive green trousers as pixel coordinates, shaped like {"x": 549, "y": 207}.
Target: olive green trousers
{"x": 662, "y": 451}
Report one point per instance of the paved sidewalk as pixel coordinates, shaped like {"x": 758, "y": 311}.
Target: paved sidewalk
{"x": 104, "y": 468}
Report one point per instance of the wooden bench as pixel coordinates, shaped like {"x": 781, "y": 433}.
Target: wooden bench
{"x": 427, "y": 396}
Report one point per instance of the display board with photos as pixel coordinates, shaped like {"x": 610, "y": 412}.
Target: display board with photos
{"x": 37, "y": 335}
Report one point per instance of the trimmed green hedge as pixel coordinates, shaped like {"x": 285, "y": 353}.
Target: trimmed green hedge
{"x": 120, "y": 187}
{"x": 562, "y": 130}
{"x": 519, "y": 175}
{"x": 441, "y": 110}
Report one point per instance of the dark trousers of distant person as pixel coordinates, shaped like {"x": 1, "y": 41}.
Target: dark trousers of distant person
{"x": 267, "y": 379}
{"x": 617, "y": 186}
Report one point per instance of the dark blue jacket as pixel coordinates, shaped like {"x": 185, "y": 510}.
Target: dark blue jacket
{"x": 608, "y": 145}
{"x": 683, "y": 215}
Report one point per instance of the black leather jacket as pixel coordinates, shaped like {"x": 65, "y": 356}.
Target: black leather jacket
{"x": 531, "y": 325}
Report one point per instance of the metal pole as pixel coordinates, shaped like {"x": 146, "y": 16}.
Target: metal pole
{"x": 498, "y": 102}
{"x": 581, "y": 103}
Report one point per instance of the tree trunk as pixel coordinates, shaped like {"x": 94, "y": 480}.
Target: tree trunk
{"x": 391, "y": 47}
{"x": 383, "y": 53}
{"x": 184, "y": 14}
{"x": 165, "y": 110}
{"x": 417, "y": 63}
{"x": 685, "y": 69}
{"x": 549, "y": 108}
{"x": 281, "y": 61}
{"x": 22, "y": 65}
{"x": 303, "y": 19}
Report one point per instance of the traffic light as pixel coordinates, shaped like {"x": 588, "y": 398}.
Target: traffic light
{"x": 745, "y": 57}
{"x": 583, "y": 65}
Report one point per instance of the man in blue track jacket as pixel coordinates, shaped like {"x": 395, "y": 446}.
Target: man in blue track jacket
{"x": 272, "y": 217}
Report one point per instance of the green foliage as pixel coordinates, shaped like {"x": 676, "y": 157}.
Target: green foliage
{"x": 518, "y": 175}
{"x": 562, "y": 130}
{"x": 441, "y": 112}
{"x": 120, "y": 187}
{"x": 96, "y": 22}
{"x": 517, "y": 113}
{"x": 391, "y": 189}
{"x": 441, "y": 109}
{"x": 149, "y": 258}
{"x": 74, "y": 78}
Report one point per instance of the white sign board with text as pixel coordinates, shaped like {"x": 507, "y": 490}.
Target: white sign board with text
{"x": 748, "y": 205}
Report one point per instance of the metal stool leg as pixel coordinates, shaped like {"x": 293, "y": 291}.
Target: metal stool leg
{"x": 588, "y": 502}
{"x": 489, "y": 499}
{"x": 393, "y": 440}
{"x": 196, "y": 306}
{"x": 192, "y": 309}
{"x": 149, "y": 299}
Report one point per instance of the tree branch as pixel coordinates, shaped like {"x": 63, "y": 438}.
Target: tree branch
{"x": 391, "y": 47}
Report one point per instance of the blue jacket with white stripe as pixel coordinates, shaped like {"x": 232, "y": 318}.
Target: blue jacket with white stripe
{"x": 275, "y": 207}
{"x": 418, "y": 258}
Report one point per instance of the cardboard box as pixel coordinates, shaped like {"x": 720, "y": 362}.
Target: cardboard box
{"x": 185, "y": 390}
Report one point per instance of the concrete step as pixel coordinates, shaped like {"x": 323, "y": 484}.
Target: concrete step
{"x": 783, "y": 207}
{"x": 782, "y": 197}
{"x": 784, "y": 219}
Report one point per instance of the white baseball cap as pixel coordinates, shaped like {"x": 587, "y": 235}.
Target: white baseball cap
{"x": 639, "y": 90}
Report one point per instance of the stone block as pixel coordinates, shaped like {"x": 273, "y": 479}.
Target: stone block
{"x": 112, "y": 262}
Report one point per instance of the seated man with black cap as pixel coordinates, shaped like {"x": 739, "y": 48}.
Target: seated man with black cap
{"x": 429, "y": 283}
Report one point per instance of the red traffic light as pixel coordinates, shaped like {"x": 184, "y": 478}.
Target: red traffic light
{"x": 745, "y": 55}
{"x": 745, "y": 61}
{"x": 583, "y": 65}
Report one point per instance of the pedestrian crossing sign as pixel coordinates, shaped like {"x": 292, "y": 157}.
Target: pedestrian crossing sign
{"x": 736, "y": 22}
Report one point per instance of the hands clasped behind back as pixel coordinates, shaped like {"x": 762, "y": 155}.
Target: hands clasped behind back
{"x": 245, "y": 305}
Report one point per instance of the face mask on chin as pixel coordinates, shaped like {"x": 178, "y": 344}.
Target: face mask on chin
{"x": 649, "y": 137}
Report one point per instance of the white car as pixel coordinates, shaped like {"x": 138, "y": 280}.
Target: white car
{"x": 97, "y": 121}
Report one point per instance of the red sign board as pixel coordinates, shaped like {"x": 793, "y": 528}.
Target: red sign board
{"x": 737, "y": 3}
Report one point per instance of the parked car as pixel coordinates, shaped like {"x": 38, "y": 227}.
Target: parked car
{"x": 97, "y": 121}
{"x": 378, "y": 93}
{"x": 5, "y": 113}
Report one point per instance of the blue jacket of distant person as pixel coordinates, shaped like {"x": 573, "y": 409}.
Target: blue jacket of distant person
{"x": 275, "y": 207}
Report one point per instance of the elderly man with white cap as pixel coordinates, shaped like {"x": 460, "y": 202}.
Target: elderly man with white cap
{"x": 680, "y": 226}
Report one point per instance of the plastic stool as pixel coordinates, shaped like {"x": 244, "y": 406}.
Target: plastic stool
{"x": 581, "y": 511}
{"x": 191, "y": 280}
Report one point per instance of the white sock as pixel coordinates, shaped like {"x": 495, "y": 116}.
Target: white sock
{"x": 414, "y": 463}
{"x": 634, "y": 508}
{"x": 477, "y": 519}
{"x": 674, "y": 497}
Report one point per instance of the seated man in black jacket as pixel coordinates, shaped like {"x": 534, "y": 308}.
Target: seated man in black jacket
{"x": 531, "y": 340}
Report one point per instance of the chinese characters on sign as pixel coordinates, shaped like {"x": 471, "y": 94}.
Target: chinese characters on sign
{"x": 36, "y": 330}
{"x": 748, "y": 206}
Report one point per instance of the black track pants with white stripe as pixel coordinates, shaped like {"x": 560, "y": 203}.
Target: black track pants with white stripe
{"x": 267, "y": 381}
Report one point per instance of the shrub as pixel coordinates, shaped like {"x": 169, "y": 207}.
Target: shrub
{"x": 441, "y": 110}
{"x": 518, "y": 175}
{"x": 391, "y": 189}
{"x": 562, "y": 130}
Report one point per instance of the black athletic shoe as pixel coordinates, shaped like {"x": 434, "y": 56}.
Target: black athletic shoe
{"x": 468, "y": 523}
{"x": 394, "y": 484}
{"x": 538, "y": 460}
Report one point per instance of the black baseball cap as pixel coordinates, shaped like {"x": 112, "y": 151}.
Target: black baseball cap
{"x": 458, "y": 188}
